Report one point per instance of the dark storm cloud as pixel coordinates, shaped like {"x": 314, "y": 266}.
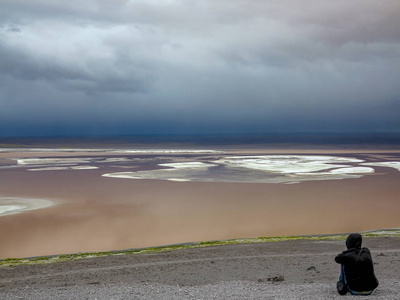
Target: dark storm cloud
{"x": 171, "y": 66}
{"x": 75, "y": 70}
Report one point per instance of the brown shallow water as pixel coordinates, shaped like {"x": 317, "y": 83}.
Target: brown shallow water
{"x": 95, "y": 213}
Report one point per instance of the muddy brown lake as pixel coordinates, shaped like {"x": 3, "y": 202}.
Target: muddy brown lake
{"x": 178, "y": 196}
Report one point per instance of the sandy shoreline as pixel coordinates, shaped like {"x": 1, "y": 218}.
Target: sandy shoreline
{"x": 298, "y": 269}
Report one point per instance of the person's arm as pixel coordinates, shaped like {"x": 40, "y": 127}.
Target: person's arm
{"x": 339, "y": 257}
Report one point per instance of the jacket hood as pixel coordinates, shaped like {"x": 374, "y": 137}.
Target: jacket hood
{"x": 354, "y": 240}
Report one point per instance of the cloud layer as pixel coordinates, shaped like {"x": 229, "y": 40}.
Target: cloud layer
{"x": 120, "y": 67}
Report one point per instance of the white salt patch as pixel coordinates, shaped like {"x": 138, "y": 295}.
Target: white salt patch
{"x": 53, "y": 161}
{"x": 116, "y": 159}
{"x": 188, "y": 165}
{"x": 9, "y": 206}
{"x": 311, "y": 158}
{"x": 357, "y": 170}
{"x": 178, "y": 172}
{"x": 288, "y": 169}
{"x": 55, "y": 150}
{"x": 168, "y": 151}
{"x": 69, "y": 168}
{"x": 68, "y": 163}
{"x": 389, "y": 164}
{"x": 128, "y": 175}
{"x": 286, "y": 164}
{"x": 145, "y": 151}
{"x": 179, "y": 179}
{"x": 84, "y": 168}
{"x": 50, "y": 169}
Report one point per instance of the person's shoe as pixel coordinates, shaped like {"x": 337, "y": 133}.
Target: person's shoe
{"x": 341, "y": 288}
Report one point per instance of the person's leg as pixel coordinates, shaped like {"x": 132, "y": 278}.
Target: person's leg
{"x": 360, "y": 293}
{"x": 341, "y": 284}
{"x": 341, "y": 277}
{"x": 343, "y": 288}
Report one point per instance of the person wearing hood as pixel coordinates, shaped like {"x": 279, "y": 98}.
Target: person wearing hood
{"x": 357, "y": 270}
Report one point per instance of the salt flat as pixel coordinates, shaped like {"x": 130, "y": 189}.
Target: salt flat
{"x": 271, "y": 169}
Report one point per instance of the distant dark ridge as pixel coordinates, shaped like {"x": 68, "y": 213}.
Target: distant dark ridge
{"x": 270, "y": 140}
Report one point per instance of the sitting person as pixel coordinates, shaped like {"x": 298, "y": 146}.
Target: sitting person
{"x": 357, "y": 270}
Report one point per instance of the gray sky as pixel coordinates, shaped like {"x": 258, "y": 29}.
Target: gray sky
{"x": 128, "y": 67}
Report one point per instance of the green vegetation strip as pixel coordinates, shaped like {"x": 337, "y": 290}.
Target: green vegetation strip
{"x": 10, "y": 262}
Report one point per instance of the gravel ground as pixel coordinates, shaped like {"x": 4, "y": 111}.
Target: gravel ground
{"x": 389, "y": 289}
{"x": 284, "y": 270}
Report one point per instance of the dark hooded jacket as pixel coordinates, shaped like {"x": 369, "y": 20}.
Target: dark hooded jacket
{"x": 358, "y": 265}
